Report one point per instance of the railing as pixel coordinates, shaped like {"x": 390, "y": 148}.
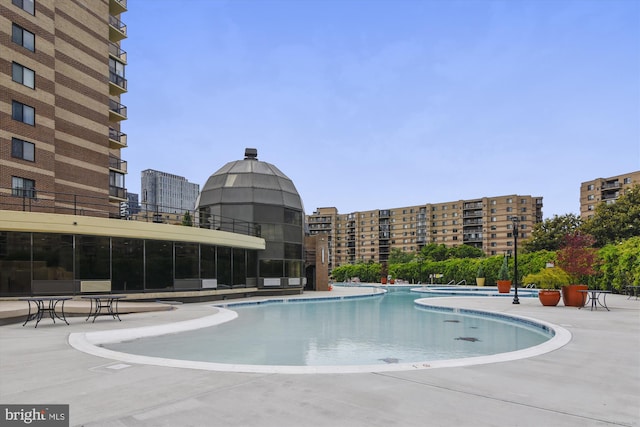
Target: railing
{"x": 116, "y": 51}
{"x": 116, "y": 135}
{"x": 32, "y": 200}
{"x": 122, "y": 2}
{"x": 116, "y": 163}
{"x": 117, "y": 24}
{"x": 118, "y": 108}
{"x": 117, "y": 79}
{"x": 611, "y": 185}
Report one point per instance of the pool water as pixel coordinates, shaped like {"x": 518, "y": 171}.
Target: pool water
{"x": 385, "y": 329}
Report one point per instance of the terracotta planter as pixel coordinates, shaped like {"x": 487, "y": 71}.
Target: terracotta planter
{"x": 504, "y": 286}
{"x": 480, "y": 281}
{"x": 383, "y": 280}
{"x": 549, "y": 297}
{"x": 572, "y": 298}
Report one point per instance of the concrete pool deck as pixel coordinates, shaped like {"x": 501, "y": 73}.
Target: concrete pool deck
{"x": 594, "y": 380}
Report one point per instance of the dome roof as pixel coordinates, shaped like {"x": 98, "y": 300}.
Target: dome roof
{"x": 250, "y": 181}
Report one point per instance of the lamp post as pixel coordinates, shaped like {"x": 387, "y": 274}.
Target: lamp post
{"x": 515, "y": 221}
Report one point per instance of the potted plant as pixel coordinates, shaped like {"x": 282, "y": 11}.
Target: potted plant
{"x": 503, "y": 282}
{"x": 480, "y": 278}
{"x": 549, "y": 281}
{"x": 577, "y": 257}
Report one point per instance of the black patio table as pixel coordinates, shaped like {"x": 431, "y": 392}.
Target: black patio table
{"x": 44, "y": 305}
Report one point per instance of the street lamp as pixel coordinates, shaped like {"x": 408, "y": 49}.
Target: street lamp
{"x": 515, "y": 221}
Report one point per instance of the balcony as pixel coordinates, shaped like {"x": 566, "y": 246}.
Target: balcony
{"x": 117, "y": 29}
{"x": 117, "y": 164}
{"x": 117, "y": 193}
{"x": 116, "y": 7}
{"x": 116, "y": 52}
{"x": 117, "y": 139}
{"x": 471, "y": 214}
{"x": 117, "y": 111}
{"x": 117, "y": 83}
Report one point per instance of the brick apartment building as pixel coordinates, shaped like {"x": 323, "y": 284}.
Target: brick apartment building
{"x": 62, "y": 73}
{"x": 604, "y": 190}
{"x": 485, "y": 223}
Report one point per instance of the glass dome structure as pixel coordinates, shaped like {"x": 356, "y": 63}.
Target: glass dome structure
{"x": 252, "y": 191}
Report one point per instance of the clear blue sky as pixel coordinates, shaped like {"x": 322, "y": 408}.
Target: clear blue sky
{"x": 375, "y": 104}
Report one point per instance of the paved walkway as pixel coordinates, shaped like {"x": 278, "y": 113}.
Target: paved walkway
{"x": 594, "y": 380}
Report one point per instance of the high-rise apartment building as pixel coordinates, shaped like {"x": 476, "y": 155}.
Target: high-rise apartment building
{"x": 62, "y": 73}
{"x": 604, "y": 190}
{"x": 485, "y": 223}
{"x": 164, "y": 192}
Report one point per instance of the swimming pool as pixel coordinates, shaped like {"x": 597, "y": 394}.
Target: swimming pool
{"x": 378, "y": 333}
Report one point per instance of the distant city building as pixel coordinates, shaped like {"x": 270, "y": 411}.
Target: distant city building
{"x": 484, "y": 223}
{"x": 164, "y": 192}
{"x": 604, "y": 190}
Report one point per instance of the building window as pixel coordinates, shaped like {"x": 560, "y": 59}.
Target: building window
{"x": 591, "y": 197}
{"x": 22, "y": 187}
{"x": 24, "y": 75}
{"x": 509, "y": 200}
{"x": 590, "y": 207}
{"x": 509, "y": 209}
{"x": 23, "y": 113}
{"x": 23, "y": 37}
{"x": 627, "y": 181}
{"x": 23, "y": 150}
{"x": 591, "y": 187}
{"x": 26, "y": 5}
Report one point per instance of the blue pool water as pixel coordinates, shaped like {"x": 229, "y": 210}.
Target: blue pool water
{"x": 363, "y": 331}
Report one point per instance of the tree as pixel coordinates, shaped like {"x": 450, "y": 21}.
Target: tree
{"x": 549, "y": 234}
{"x": 577, "y": 256}
{"x": 465, "y": 251}
{"x": 186, "y": 219}
{"x": 397, "y": 256}
{"x": 617, "y": 221}
{"x": 434, "y": 252}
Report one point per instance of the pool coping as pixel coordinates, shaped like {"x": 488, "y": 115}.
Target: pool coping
{"x": 91, "y": 342}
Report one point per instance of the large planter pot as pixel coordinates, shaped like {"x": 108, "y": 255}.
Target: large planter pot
{"x": 383, "y": 280}
{"x": 549, "y": 297}
{"x": 480, "y": 281}
{"x": 504, "y": 286}
{"x": 572, "y": 298}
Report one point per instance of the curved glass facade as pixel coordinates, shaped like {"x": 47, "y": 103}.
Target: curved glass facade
{"x": 46, "y": 263}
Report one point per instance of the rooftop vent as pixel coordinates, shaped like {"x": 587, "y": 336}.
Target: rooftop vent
{"x": 250, "y": 154}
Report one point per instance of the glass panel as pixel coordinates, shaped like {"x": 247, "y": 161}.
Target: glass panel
{"x": 16, "y": 72}
{"x": 271, "y": 268}
{"x": 15, "y": 263}
{"x": 52, "y": 256}
{"x": 158, "y": 264}
{"x": 187, "y": 261}
{"x": 29, "y": 40}
{"x": 294, "y": 268}
{"x": 207, "y": 262}
{"x": 29, "y": 115}
{"x": 28, "y": 151}
{"x": 16, "y": 34}
{"x": 239, "y": 267}
{"x": 224, "y": 267}
{"x": 293, "y": 251}
{"x": 28, "y": 78}
{"x": 93, "y": 257}
{"x": 252, "y": 264}
{"x": 128, "y": 264}
{"x": 16, "y": 111}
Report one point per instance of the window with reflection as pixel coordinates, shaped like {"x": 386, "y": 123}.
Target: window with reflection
{"x": 224, "y": 267}
{"x": 15, "y": 263}
{"x": 239, "y": 267}
{"x": 52, "y": 256}
{"x": 271, "y": 268}
{"x": 93, "y": 258}
{"x": 207, "y": 262}
{"x": 159, "y": 264}
{"x": 187, "y": 257}
{"x": 128, "y": 264}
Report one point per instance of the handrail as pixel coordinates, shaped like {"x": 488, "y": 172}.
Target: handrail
{"x": 461, "y": 281}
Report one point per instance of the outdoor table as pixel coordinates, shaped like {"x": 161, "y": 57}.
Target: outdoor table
{"x": 98, "y": 302}
{"x": 44, "y": 305}
{"x": 594, "y": 297}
